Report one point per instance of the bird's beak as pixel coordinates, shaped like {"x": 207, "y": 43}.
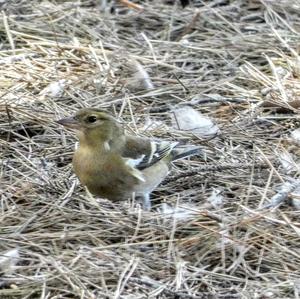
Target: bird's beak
{"x": 69, "y": 122}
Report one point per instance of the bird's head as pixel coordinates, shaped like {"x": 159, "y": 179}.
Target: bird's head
{"x": 92, "y": 123}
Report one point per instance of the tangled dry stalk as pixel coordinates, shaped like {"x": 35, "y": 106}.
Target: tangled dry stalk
{"x": 237, "y": 62}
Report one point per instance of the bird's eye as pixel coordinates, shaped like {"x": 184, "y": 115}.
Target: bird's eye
{"x": 91, "y": 119}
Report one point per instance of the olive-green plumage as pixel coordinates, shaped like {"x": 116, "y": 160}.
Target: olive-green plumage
{"x": 114, "y": 165}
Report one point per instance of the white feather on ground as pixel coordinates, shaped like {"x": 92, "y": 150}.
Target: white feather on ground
{"x": 216, "y": 199}
{"x": 288, "y": 190}
{"x": 179, "y": 213}
{"x": 54, "y": 89}
{"x": 295, "y": 135}
{"x": 13, "y": 58}
{"x": 151, "y": 125}
{"x": 188, "y": 119}
{"x": 225, "y": 236}
{"x": 295, "y": 197}
{"x": 8, "y": 260}
{"x": 140, "y": 79}
{"x": 287, "y": 162}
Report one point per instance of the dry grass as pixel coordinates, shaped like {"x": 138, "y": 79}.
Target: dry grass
{"x": 236, "y": 62}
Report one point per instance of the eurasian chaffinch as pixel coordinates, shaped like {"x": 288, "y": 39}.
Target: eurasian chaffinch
{"x": 114, "y": 165}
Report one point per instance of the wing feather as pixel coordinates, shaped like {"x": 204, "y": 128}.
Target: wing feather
{"x": 157, "y": 150}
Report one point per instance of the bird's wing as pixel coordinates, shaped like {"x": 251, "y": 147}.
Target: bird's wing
{"x": 142, "y": 153}
{"x": 134, "y": 170}
{"x": 159, "y": 150}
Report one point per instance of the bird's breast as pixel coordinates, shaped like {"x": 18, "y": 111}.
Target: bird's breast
{"x": 89, "y": 166}
{"x": 104, "y": 174}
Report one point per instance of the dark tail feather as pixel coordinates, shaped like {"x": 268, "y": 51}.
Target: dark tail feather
{"x": 181, "y": 152}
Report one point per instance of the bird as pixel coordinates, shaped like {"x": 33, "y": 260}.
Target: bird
{"x": 115, "y": 165}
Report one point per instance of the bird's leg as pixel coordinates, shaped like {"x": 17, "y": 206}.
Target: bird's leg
{"x": 146, "y": 203}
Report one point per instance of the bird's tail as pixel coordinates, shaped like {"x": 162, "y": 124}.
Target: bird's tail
{"x": 181, "y": 152}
